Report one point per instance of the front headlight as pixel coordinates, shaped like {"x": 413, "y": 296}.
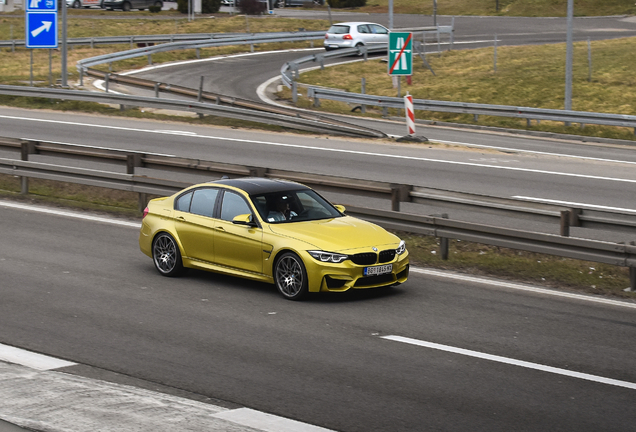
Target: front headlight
{"x": 328, "y": 256}
{"x": 401, "y": 248}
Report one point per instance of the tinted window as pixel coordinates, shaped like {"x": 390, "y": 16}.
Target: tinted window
{"x": 338, "y": 29}
{"x": 203, "y": 202}
{"x": 378, "y": 29}
{"x": 363, "y": 29}
{"x": 183, "y": 202}
{"x": 233, "y": 205}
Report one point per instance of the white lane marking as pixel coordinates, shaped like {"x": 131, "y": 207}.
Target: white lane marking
{"x": 514, "y": 362}
{"x": 266, "y": 422}
{"x": 70, "y": 214}
{"x": 334, "y": 150}
{"x": 30, "y": 359}
{"x": 514, "y": 150}
{"x": 569, "y": 203}
{"x": 520, "y": 287}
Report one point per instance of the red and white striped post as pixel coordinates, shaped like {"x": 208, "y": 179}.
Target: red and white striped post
{"x": 410, "y": 115}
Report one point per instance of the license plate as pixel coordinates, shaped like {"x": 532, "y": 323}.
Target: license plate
{"x": 378, "y": 270}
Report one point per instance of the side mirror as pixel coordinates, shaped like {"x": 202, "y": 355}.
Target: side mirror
{"x": 244, "y": 219}
{"x": 340, "y": 208}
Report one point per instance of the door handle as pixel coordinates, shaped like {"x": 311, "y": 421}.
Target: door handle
{"x": 219, "y": 228}
{"x": 181, "y": 218}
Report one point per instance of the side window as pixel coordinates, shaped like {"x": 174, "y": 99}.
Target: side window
{"x": 233, "y": 205}
{"x": 203, "y": 202}
{"x": 183, "y": 202}
{"x": 363, "y": 29}
{"x": 379, "y": 29}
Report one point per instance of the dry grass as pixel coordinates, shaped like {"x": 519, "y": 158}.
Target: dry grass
{"x": 530, "y": 8}
{"x": 528, "y": 76}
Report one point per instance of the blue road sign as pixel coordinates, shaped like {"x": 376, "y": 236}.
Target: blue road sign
{"x": 41, "y": 5}
{"x": 41, "y": 29}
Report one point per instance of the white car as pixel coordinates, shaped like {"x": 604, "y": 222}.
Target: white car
{"x": 353, "y": 34}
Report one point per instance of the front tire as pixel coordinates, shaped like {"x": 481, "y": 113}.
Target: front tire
{"x": 126, "y": 7}
{"x": 76, "y": 4}
{"x": 166, "y": 255}
{"x": 290, "y": 277}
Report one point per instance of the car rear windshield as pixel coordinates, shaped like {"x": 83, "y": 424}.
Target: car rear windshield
{"x": 338, "y": 29}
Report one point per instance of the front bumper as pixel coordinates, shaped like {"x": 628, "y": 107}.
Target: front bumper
{"x": 347, "y": 275}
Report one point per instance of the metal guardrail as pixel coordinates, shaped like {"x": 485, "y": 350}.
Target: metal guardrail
{"x": 293, "y": 121}
{"x": 131, "y": 39}
{"x": 619, "y": 254}
{"x": 582, "y": 117}
{"x": 565, "y": 217}
{"x": 251, "y": 39}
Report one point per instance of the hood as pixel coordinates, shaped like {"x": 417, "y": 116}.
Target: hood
{"x": 343, "y": 234}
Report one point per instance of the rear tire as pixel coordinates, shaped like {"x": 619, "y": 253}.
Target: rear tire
{"x": 290, "y": 276}
{"x": 76, "y": 4}
{"x": 166, "y": 255}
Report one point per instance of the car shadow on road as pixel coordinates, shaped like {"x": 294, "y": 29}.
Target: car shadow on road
{"x": 262, "y": 288}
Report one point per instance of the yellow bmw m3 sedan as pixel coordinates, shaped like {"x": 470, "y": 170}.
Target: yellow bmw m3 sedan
{"x": 273, "y": 231}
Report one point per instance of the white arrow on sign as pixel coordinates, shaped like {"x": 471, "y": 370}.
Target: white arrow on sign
{"x": 46, "y": 25}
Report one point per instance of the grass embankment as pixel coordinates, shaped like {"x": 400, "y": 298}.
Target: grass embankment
{"x": 526, "y": 76}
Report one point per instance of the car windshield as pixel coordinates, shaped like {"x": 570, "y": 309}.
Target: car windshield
{"x": 338, "y": 29}
{"x": 293, "y": 206}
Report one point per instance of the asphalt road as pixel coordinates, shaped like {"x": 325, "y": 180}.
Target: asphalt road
{"x": 81, "y": 290}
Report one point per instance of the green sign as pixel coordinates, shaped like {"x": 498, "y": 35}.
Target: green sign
{"x": 400, "y": 54}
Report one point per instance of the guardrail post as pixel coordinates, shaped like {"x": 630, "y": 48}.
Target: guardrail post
{"x": 363, "y": 89}
{"x": 133, "y": 160}
{"x": 156, "y": 89}
{"x": 565, "y": 223}
{"x": 399, "y": 193}
{"x": 92, "y": 43}
{"x": 258, "y": 172}
{"x": 150, "y": 59}
{"x": 81, "y": 74}
{"x": 294, "y": 90}
{"x": 106, "y": 81}
{"x": 632, "y": 278}
{"x": 200, "y": 90}
{"x": 444, "y": 242}
{"x": 132, "y": 38}
{"x": 26, "y": 148}
{"x": 142, "y": 202}
{"x": 311, "y": 93}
